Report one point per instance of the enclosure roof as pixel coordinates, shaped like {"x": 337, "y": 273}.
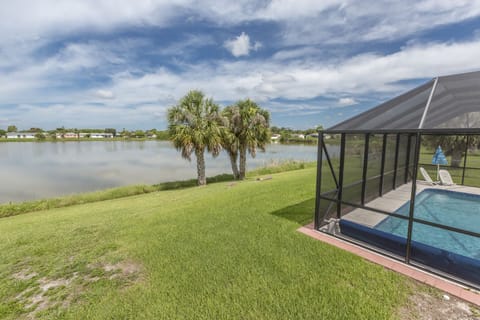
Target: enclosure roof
{"x": 447, "y": 102}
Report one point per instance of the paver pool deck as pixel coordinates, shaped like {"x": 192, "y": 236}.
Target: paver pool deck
{"x": 394, "y": 199}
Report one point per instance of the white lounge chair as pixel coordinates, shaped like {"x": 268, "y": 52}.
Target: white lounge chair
{"x": 426, "y": 177}
{"x": 446, "y": 178}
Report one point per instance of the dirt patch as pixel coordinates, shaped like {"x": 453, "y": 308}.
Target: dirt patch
{"x": 46, "y": 284}
{"x": 37, "y": 298}
{"x": 46, "y": 293}
{"x": 433, "y": 305}
{"x": 25, "y": 274}
{"x": 125, "y": 268}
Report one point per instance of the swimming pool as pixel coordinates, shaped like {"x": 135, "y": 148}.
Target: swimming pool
{"x": 455, "y": 209}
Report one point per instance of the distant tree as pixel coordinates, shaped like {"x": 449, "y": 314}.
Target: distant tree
{"x": 453, "y": 146}
{"x": 35, "y": 130}
{"x": 285, "y": 136}
{"x": 111, "y": 130}
{"x": 2, "y": 133}
{"x": 195, "y": 125}
{"x": 40, "y": 136}
{"x": 274, "y": 129}
{"x": 76, "y": 132}
{"x": 163, "y": 135}
{"x": 12, "y": 128}
{"x": 139, "y": 134}
{"x": 313, "y": 130}
{"x": 125, "y": 133}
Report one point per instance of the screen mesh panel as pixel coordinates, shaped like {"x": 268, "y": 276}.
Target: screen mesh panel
{"x": 353, "y": 168}
{"x": 455, "y": 103}
{"x": 389, "y": 168}
{"x": 373, "y": 178}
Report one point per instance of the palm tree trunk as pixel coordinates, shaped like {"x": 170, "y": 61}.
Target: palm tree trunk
{"x": 201, "y": 167}
{"x": 233, "y": 161}
{"x": 243, "y": 162}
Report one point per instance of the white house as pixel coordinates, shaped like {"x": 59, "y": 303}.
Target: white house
{"x": 275, "y": 137}
{"x": 102, "y": 135}
{"x": 298, "y": 135}
{"x": 70, "y": 135}
{"x": 21, "y": 135}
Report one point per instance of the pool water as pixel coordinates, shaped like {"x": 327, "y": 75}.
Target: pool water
{"x": 454, "y": 209}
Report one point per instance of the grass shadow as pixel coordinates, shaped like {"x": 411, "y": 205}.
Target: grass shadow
{"x": 172, "y": 185}
{"x": 300, "y": 213}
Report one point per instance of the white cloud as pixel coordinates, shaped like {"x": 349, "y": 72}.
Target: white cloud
{"x": 104, "y": 94}
{"x": 342, "y": 21}
{"x": 352, "y": 78}
{"x": 48, "y": 17}
{"x": 189, "y": 43}
{"x": 298, "y": 53}
{"x": 301, "y": 21}
{"x": 361, "y": 75}
{"x": 298, "y": 71}
{"x": 241, "y": 46}
{"x": 307, "y": 22}
{"x": 347, "y": 101}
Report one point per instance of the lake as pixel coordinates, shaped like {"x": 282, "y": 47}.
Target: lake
{"x": 33, "y": 170}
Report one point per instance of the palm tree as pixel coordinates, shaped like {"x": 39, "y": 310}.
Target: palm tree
{"x": 195, "y": 125}
{"x": 248, "y": 126}
{"x": 229, "y": 137}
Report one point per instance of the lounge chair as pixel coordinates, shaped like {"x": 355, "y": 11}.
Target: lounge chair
{"x": 426, "y": 177}
{"x": 446, "y": 178}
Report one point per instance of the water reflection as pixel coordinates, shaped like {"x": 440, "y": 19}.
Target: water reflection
{"x": 38, "y": 170}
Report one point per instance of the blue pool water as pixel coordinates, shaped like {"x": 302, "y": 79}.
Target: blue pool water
{"x": 455, "y": 209}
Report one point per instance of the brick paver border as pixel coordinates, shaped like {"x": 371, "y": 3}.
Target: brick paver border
{"x": 435, "y": 281}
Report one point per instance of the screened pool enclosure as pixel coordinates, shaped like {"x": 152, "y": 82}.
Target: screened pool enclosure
{"x": 370, "y": 189}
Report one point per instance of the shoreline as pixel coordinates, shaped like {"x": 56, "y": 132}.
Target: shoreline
{"x": 15, "y": 208}
{"x": 3, "y": 140}
{"x": 80, "y": 140}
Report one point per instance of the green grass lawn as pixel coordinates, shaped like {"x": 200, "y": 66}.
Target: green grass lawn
{"x": 218, "y": 252}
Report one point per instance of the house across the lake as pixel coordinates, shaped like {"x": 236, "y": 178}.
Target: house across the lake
{"x": 73, "y": 135}
{"x": 101, "y": 135}
{"x": 275, "y": 137}
{"x": 21, "y": 135}
{"x": 298, "y": 136}
{"x": 67, "y": 135}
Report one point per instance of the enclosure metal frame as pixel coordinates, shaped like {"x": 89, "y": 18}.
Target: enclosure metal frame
{"x": 322, "y": 153}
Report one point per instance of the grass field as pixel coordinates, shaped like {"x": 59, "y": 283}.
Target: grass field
{"x": 224, "y": 251}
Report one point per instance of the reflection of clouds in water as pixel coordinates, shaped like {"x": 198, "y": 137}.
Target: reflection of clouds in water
{"x": 38, "y": 170}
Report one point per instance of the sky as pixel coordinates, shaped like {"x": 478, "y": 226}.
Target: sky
{"x": 122, "y": 64}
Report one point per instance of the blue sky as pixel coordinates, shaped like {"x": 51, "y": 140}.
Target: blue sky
{"x": 101, "y": 63}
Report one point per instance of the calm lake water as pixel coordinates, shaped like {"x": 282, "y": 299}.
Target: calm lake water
{"x": 33, "y": 170}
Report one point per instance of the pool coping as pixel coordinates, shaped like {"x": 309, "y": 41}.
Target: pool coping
{"x": 445, "y": 285}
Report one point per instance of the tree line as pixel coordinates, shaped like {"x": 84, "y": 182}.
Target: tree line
{"x": 197, "y": 124}
{"x": 42, "y": 134}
